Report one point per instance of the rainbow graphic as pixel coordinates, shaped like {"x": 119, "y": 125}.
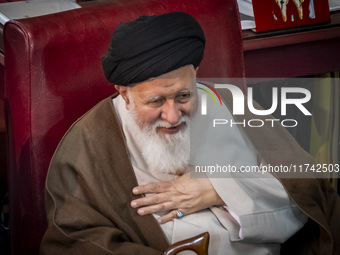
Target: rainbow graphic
{"x": 204, "y": 99}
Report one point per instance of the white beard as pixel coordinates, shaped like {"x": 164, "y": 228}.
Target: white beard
{"x": 169, "y": 153}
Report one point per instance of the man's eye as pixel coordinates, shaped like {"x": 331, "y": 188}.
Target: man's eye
{"x": 183, "y": 98}
{"x": 156, "y": 102}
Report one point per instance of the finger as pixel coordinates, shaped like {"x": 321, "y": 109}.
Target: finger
{"x": 154, "y": 208}
{"x": 158, "y": 187}
{"x": 168, "y": 217}
{"x": 150, "y": 200}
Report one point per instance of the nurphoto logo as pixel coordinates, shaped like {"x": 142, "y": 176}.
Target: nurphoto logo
{"x": 239, "y": 98}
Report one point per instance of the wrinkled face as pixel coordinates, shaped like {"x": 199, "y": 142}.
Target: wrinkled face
{"x": 163, "y": 99}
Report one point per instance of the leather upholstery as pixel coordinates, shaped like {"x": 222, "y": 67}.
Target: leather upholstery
{"x": 53, "y": 75}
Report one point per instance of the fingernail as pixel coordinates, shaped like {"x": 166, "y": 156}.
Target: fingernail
{"x": 159, "y": 220}
{"x": 140, "y": 212}
{"x": 135, "y": 190}
{"x": 133, "y": 204}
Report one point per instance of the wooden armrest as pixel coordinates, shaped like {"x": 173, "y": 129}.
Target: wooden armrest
{"x": 198, "y": 244}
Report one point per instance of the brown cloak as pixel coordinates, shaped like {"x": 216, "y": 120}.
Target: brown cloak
{"x": 89, "y": 183}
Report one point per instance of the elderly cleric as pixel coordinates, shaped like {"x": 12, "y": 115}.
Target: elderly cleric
{"x": 119, "y": 181}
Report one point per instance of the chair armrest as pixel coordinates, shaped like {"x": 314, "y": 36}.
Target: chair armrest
{"x": 198, "y": 244}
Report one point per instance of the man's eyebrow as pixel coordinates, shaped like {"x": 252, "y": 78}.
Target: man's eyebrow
{"x": 156, "y": 97}
{"x": 184, "y": 90}
{"x": 153, "y": 97}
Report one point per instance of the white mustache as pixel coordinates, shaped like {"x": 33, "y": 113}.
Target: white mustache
{"x": 165, "y": 124}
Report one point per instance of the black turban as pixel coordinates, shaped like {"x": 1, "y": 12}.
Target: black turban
{"x": 151, "y": 46}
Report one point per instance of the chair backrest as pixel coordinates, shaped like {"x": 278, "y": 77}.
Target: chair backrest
{"x": 53, "y": 75}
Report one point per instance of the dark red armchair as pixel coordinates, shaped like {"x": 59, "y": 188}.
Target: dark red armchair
{"x": 53, "y": 75}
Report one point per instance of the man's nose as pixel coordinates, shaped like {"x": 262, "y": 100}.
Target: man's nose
{"x": 171, "y": 112}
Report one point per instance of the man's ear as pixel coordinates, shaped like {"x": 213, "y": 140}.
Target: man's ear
{"x": 123, "y": 91}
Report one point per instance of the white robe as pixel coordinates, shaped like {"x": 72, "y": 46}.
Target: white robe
{"x": 259, "y": 214}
